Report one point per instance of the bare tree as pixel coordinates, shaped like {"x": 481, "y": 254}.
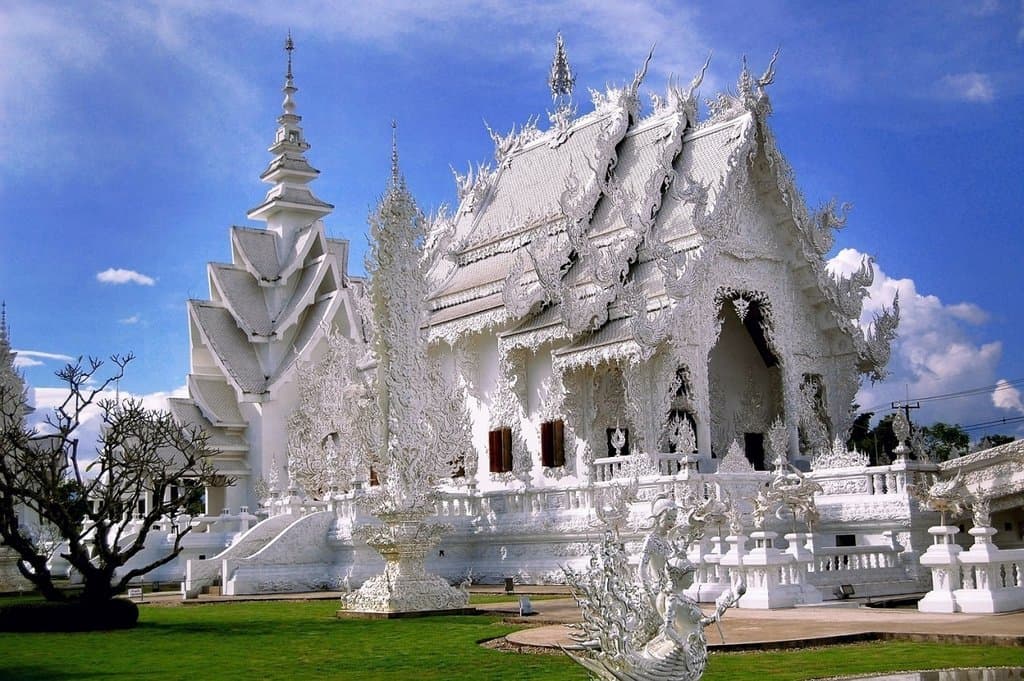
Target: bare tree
{"x": 93, "y": 500}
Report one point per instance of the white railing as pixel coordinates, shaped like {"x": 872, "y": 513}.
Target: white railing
{"x": 874, "y": 480}
{"x": 608, "y": 468}
{"x": 854, "y": 558}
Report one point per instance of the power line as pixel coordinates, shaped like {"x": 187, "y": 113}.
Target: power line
{"x": 995, "y": 422}
{"x": 969, "y": 392}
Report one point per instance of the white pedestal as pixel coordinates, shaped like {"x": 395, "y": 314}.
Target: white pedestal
{"x": 802, "y": 557}
{"x": 942, "y": 558}
{"x": 762, "y": 568}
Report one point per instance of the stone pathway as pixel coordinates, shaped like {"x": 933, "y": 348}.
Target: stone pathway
{"x": 755, "y": 629}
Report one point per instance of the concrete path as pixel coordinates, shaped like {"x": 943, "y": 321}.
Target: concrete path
{"x": 745, "y": 629}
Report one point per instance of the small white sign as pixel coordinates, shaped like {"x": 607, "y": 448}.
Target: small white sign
{"x": 135, "y": 592}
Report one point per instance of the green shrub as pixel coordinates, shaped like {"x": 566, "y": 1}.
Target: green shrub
{"x": 44, "y": 616}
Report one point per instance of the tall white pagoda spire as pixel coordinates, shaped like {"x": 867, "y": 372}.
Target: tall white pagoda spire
{"x": 290, "y": 205}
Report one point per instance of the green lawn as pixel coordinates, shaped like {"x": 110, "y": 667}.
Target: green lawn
{"x": 303, "y": 640}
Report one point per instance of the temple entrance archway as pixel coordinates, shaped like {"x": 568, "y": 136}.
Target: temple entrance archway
{"x": 745, "y": 381}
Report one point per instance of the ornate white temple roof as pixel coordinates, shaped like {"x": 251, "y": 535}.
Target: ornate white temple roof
{"x": 572, "y": 215}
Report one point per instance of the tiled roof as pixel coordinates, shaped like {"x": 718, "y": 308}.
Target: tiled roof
{"x": 612, "y": 333}
{"x": 185, "y": 411}
{"x": 529, "y": 185}
{"x": 230, "y": 346}
{"x": 305, "y": 289}
{"x": 216, "y": 399}
{"x": 704, "y": 158}
{"x": 467, "y": 308}
{"x": 257, "y": 248}
{"x": 638, "y": 161}
{"x": 243, "y": 295}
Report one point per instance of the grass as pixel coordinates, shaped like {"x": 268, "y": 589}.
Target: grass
{"x": 299, "y": 640}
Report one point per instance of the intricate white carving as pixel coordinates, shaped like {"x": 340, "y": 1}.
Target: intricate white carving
{"x": 404, "y": 586}
{"x": 948, "y": 497}
{"x": 813, "y": 414}
{"x": 419, "y": 425}
{"x": 735, "y": 461}
{"x": 507, "y": 145}
{"x": 645, "y": 628}
{"x": 981, "y": 512}
{"x": 877, "y": 343}
{"x": 838, "y": 457}
{"x": 473, "y": 187}
{"x": 681, "y": 435}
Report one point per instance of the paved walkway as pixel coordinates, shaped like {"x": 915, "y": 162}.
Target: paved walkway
{"x": 757, "y": 629}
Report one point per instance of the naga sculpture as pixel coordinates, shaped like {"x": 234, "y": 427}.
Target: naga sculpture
{"x": 644, "y": 628}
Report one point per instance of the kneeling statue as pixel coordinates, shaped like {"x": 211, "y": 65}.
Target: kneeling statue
{"x": 644, "y": 628}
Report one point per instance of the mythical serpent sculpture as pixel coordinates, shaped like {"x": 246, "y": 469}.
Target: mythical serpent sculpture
{"x": 644, "y": 628}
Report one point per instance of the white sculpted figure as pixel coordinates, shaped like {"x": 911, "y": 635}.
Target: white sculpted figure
{"x": 645, "y": 628}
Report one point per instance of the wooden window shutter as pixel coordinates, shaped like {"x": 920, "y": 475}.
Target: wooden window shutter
{"x": 558, "y": 442}
{"x": 552, "y": 444}
{"x": 506, "y": 449}
{"x": 547, "y": 444}
{"x": 494, "y": 450}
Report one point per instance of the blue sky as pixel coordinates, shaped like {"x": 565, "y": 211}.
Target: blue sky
{"x": 133, "y": 133}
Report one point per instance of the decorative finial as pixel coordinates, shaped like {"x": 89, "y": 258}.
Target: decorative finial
{"x": 289, "y": 47}
{"x": 289, "y": 85}
{"x": 561, "y": 81}
{"x": 396, "y": 174}
{"x": 3, "y": 320}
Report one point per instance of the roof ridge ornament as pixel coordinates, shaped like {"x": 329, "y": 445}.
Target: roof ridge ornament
{"x": 638, "y": 77}
{"x": 561, "y": 79}
{"x": 753, "y": 93}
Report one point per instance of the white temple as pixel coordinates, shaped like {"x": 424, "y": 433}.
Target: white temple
{"x": 635, "y": 303}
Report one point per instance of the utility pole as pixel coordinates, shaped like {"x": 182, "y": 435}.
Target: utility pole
{"x": 906, "y": 406}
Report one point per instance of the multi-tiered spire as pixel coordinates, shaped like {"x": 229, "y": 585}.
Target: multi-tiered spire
{"x": 289, "y": 204}
{"x": 13, "y": 398}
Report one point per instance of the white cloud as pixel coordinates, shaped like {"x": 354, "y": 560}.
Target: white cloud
{"x": 968, "y": 87}
{"x": 134, "y": 319}
{"x": 121, "y": 276}
{"x": 47, "y": 399}
{"x": 50, "y": 52}
{"x": 34, "y": 358}
{"x": 601, "y": 35}
{"x": 39, "y": 46}
{"x": 1006, "y": 396}
{"x": 935, "y": 353}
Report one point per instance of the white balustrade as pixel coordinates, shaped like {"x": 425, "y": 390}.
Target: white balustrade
{"x": 853, "y": 558}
